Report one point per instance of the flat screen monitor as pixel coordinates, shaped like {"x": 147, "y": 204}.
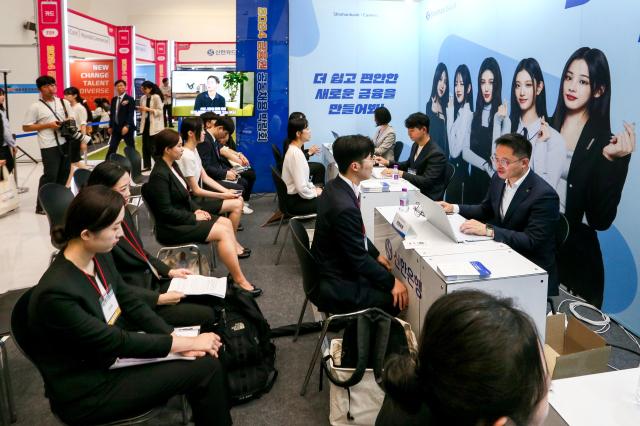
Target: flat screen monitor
{"x": 198, "y": 91}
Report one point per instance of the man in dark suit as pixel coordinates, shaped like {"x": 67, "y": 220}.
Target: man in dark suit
{"x": 427, "y": 164}
{"x": 121, "y": 118}
{"x": 520, "y": 208}
{"x": 210, "y": 99}
{"x": 353, "y": 274}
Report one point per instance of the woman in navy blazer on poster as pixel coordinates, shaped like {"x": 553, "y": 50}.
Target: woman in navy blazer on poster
{"x": 83, "y": 317}
{"x": 436, "y": 108}
{"x": 595, "y": 168}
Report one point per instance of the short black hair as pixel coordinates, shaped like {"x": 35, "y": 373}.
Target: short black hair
{"x": 296, "y": 115}
{"x": 347, "y": 149}
{"x": 45, "y": 80}
{"x": 166, "y": 138}
{"x": 226, "y": 123}
{"x": 120, "y": 81}
{"x": 164, "y": 80}
{"x": 294, "y": 126}
{"x": 519, "y": 144}
{"x": 215, "y": 78}
{"x": 417, "y": 120}
{"x": 209, "y": 116}
{"x": 382, "y": 116}
{"x": 193, "y": 124}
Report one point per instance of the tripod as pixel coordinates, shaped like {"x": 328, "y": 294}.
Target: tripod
{"x": 21, "y": 189}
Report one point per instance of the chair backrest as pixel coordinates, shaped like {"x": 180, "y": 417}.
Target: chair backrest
{"x": 281, "y": 190}
{"x": 277, "y": 156}
{"x": 20, "y": 327}
{"x": 397, "y": 150}
{"x": 307, "y": 261}
{"x": 448, "y": 174}
{"x": 152, "y": 217}
{"x": 562, "y": 230}
{"x": 136, "y": 162}
{"x": 80, "y": 177}
{"x": 123, "y": 161}
{"x": 55, "y": 199}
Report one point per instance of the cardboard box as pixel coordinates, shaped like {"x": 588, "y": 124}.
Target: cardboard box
{"x": 574, "y": 351}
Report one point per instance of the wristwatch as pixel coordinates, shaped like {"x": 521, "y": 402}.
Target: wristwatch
{"x": 489, "y": 231}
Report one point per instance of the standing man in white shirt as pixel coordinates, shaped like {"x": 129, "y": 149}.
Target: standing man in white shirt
{"x": 45, "y": 117}
{"x": 167, "y": 110}
{"x": 520, "y": 209}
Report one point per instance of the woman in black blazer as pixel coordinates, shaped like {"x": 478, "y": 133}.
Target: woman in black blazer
{"x": 83, "y": 317}
{"x": 179, "y": 220}
{"x": 436, "y": 108}
{"x": 595, "y": 169}
{"x": 146, "y": 272}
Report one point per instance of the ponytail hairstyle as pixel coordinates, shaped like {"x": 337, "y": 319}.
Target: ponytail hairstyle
{"x": 94, "y": 208}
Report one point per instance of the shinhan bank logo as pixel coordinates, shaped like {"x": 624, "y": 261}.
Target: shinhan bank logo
{"x": 574, "y": 3}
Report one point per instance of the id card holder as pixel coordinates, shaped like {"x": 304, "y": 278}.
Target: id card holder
{"x": 154, "y": 271}
{"x": 110, "y": 307}
{"x": 411, "y": 171}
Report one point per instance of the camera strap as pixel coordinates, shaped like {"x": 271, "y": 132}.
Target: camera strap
{"x": 55, "y": 131}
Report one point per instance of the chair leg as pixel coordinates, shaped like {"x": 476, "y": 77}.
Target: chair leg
{"x": 302, "y": 311}
{"x": 7, "y": 390}
{"x": 213, "y": 256}
{"x": 275, "y": 240}
{"x": 185, "y": 410}
{"x": 316, "y": 353}
{"x": 284, "y": 241}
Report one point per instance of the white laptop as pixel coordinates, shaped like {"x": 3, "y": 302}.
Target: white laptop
{"x": 448, "y": 224}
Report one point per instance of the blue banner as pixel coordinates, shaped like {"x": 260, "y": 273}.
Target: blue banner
{"x": 262, "y": 29}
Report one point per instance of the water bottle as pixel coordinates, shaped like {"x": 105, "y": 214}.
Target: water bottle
{"x": 395, "y": 172}
{"x": 404, "y": 200}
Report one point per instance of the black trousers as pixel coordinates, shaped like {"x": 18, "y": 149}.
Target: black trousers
{"x": 167, "y": 111}
{"x": 116, "y": 137}
{"x": 298, "y": 206}
{"x": 6, "y": 154}
{"x": 317, "y": 172}
{"x": 147, "y": 148}
{"x": 245, "y": 183}
{"x": 56, "y": 165}
{"x": 135, "y": 390}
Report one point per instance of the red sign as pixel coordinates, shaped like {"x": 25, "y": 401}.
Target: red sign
{"x": 93, "y": 78}
{"x": 50, "y": 39}
{"x": 162, "y": 61}
{"x": 124, "y": 56}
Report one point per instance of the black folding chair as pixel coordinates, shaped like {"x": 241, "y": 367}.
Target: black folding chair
{"x": 397, "y": 150}
{"x": 55, "y": 199}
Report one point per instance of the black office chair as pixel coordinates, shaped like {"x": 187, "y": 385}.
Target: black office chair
{"x": 562, "y": 233}
{"x": 136, "y": 165}
{"x": 7, "y": 404}
{"x": 122, "y": 160}
{"x": 281, "y": 190}
{"x": 448, "y": 176}
{"x": 24, "y": 343}
{"x": 80, "y": 177}
{"x": 55, "y": 199}
{"x": 397, "y": 150}
{"x": 277, "y": 156}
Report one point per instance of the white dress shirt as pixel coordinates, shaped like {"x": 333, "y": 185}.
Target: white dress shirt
{"x": 547, "y": 157}
{"x": 295, "y": 174}
{"x": 509, "y": 192}
{"x": 356, "y": 191}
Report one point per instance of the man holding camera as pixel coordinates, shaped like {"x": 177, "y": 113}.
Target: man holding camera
{"x": 46, "y": 117}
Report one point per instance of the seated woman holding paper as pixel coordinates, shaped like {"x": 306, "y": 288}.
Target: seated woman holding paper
{"x": 144, "y": 271}
{"x": 479, "y": 362}
{"x": 83, "y": 317}
{"x": 302, "y": 194}
{"x": 179, "y": 219}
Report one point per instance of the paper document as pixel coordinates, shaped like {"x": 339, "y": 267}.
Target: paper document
{"x": 179, "y": 331}
{"x": 377, "y": 173}
{"x": 463, "y": 270}
{"x": 194, "y": 285}
{"x": 373, "y": 185}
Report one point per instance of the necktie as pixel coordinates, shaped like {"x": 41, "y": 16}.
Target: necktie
{"x": 525, "y": 133}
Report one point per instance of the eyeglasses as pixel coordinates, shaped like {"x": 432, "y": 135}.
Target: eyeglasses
{"x": 418, "y": 211}
{"x": 503, "y": 161}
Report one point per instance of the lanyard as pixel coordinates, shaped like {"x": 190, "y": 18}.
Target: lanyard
{"x": 137, "y": 246}
{"x": 94, "y": 283}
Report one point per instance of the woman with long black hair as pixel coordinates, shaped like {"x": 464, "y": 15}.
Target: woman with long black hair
{"x": 151, "y": 120}
{"x": 436, "y": 108}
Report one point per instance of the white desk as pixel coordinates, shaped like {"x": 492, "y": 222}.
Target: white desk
{"x": 598, "y": 399}
{"x": 512, "y": 275}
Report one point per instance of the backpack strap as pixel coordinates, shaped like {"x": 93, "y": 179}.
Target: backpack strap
{"x": 363, "y": 343}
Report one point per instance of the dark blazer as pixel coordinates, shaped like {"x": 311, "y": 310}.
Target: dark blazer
{"x": 204, "y": 101}
{"x": 126, "y": 113}
{"x": 430, "y": 167}
{"x": 530, "y": 223}
{"x": 214, "y": 164}
{"x": 132, "y": 266}
{"x": 346, "y": 268}
{"x": 75, "y": 344}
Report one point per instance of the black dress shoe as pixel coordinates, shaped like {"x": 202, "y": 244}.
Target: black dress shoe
{"x": 256, "y": 292}
{"x": 40, "y": 211}
{"x": 245, "y": 253}
{"x": 240, "y": 227}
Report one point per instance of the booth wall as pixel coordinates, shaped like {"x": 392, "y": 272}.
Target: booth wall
{"x": 467, "y": 31}
{"x": 353, "y": 41}
{"x": 19, "y": 54}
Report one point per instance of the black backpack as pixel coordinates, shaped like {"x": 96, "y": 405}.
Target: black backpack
{"x": 248, "y": 354}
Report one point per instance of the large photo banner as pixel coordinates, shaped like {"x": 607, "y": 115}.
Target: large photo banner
{"x": 349, "y": 58}
{"x": 553, "y": 72}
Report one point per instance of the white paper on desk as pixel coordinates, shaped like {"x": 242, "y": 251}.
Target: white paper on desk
{"x": 179, "y": 331}
{"x": 413, "y": 243}
{"x": 194, "y": 285}
{"x": 377, "y": 173}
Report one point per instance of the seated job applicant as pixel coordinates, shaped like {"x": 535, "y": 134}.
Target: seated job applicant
{"x": 353, "y": 274}
{"x": 426, "y": 165}
{"x": 520, "y": 209}
{"x": 82, "y": 317}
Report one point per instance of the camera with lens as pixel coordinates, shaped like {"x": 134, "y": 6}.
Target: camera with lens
{"x": 69, "y": 130}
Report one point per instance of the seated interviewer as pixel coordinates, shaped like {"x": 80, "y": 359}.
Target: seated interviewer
{"x": 479, "y": 363}
{"x": 143, "y": 271}
{"x": 353, "y": 274}
{"x": 520, "y": 209}
{"x": 217, "y": 200}
{"x": 82, "y": 317}
{"x": 302, "y": 194}
{"x": 179, "y": 219}
{"x": 427, "y": 164}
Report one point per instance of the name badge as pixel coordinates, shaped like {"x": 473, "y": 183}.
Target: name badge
{"x": 110, "y": 307}
{"x": 402, "y": 225}
{"x": 411, "y": 171}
